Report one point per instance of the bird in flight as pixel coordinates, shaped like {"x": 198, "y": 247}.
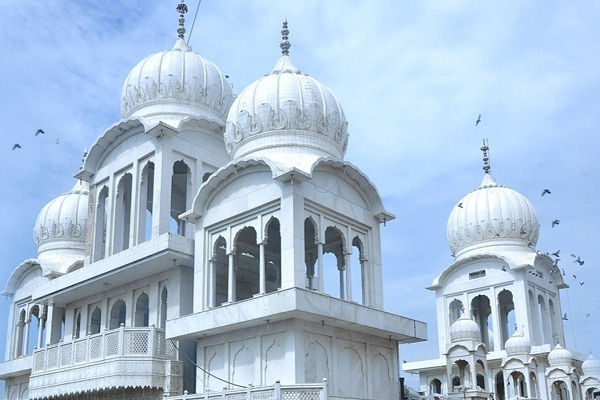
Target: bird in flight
{"x": 57, "y": 140}
{"x": 546, "y": 191}
{"x": 555, "y": 222}
{"x": 478, "y": 120}
{"x": 565, "y": 317}
{"x": 16, "y": 146}
{"x": 530, "y": 244}
{"x": 577, "y": 259}
{"x": 556, "y": 253}
{"x": 39, "y": 131}
{"x": 459, "y": 205}
{"x": 581, "y": 283}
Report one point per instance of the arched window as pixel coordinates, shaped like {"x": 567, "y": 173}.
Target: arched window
{"x": 142, "y": 311}
{"x": 499, "y": 386}
{"x": 163, "y": 308}
{"x": 95, "y": 321}
{"x": 180, "y": 183}
{"x": 246, "y": 264}
{"x": 334, "y": 262}
{"x": 146, "y": 203}
{"x": 35, "y": 326}
{"x": 122, "y": 214}
{"x": 506, "y": 308}
{"x": 310, "y": 253}
{"x": 101, "y": 224}
{"x": 544, "y": 320}
{"x": 481, "y": 310}
{"x": 481, "y": 374}
{"x": 554, "y": 330}
{"x": 273, "y": 256}
{"x": 435, "y": 387}
{"x": 455, "y": 310}
{"x": 220, "y": 273}
{"x": 77, "y": 324}
{"x": 535, "y": 320}
{"x": 118, "y": 313}
{"x": 357, "y": 273}
{"x": 533, "y": 386}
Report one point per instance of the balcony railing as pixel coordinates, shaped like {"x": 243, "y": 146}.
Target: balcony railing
{"x": 275, "y": 392}
{"x": 122, "y": 342}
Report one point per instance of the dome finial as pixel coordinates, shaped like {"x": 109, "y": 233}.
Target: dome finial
{"x": 486, "y": 159}
{"x": 285, "y": 43}
{"x": 181, "y": 9}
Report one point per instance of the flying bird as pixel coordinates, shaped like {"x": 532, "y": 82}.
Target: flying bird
{"x": 577, "y": 259}
{"x": 556, "y": 253}
{"x": 574, "y": 276}
{"x": 565, "y": 317}
{"x": 530, "y": 244}
{"x": 39, "y": 131}
{"x": 587, "y": 314}
{"x": 459, "y": 205}
{"x": 581, "y": 283}
{"x": 546, "y": 191}
{"x": 555, "y": 222}
{"x": 57, "y": 140}
{"x": 16, "y": 146}
{"x": 478, "y": 120}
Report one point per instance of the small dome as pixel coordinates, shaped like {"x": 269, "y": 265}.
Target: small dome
{"x": 491, "y": 213}
{"x": 517, "y": 344}
{"x": 60, "y": 229}
{"x": 174, "y": 84}
{"x": 560, "y": 356}
{"x": 288, "y": 117}
{"x": 591, "y": 366}
{"x": 464, "y": 328}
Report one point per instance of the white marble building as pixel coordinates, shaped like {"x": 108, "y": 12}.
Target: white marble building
{"x": 498, "y": 307}
{"x": 211, "y": 246}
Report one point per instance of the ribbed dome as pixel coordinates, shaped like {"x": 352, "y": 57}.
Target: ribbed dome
{"x": 517, "y": 344}
{"x": 591, "y": 366}
{"x": 174, "y": 84}
{"x": 489, "y": 213}
{"x": 464, "y": 328}
{"x": 60, "y": 229}
{"x": 287, "y": 116}
{"x": 560, "y": 356}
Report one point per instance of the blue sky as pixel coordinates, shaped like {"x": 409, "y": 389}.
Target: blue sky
{"x": 412, "y": 77}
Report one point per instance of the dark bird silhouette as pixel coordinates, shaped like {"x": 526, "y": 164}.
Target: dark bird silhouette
{"x": 459, "y": 205}
{"x": 530, "y": 244}
{"x": 503, "y": 268}
{"x": 587, "y": 314}
{"x": 581, "y": 283}
{"x": 16, "y": 146}
{"x": 565, "y": 317}
{"x": 577, "y": 259}
{"x": 555, "y": 222}
{"x": 57, "y": 140}
{"x": 39, "y": 131}
{"x": 574, "y": 276}
{"x": 563, "y": 271}
{"x": 546, "y": 191}
{"x": 478, "y": 120}
{"x": 556, "y": 253}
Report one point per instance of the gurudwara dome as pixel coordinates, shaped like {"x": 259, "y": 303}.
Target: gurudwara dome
{"x": 174, "y": 84}
{"x": 591, "y": 366}
{"x": 60, "y": 229}
{"x": 492, "y": 212}
{"x": 560, "y": 356}
{"x": 517, "y": 344}
{"x": 287, "y": 116}
{"x": 464, "y": 328}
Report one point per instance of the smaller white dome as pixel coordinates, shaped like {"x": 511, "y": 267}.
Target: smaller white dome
{"x": 591, "y": 366}
{"x": 517, "y": 344}
{"x": 560, "y": 356}
{"x": 464, "y": 328}
{"x": 60, "y": 229}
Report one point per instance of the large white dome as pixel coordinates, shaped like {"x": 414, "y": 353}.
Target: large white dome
{"x": 288, "y": 117}
{"x": 60, "y": 229}
{"x": 491, "y": 213}
{"x": 464, "y": 328}
{"x": 174, "y": 84}
{"x": 517, "y": 344}
{"x": 560, "y": 356}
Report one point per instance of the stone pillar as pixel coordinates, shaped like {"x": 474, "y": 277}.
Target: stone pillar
{"x": 231, "y": 282}
{"x": 321, "y": 282}
{"x": 262, "y": 272}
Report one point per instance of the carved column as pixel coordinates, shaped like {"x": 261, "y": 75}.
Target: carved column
{"x": 320, "y": 283}
{"x": 231, "y": 282}
{"x": 262, "y": 273}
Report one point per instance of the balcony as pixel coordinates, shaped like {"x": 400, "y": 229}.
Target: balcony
{"x": 123, "y": 357}
{"x": 275, "y": 392}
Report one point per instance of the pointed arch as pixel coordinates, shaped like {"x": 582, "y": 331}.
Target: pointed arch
{"x": 181, "y": 188}
{"x": 101, "y": 224}
{"x": 142, "y": 310}
{"x": 118, "y": 313}
{"x": 272, "y": 255}
{"x": 246, "y": 264}
{"x": 122, "y": 217}
{"x": 359, "y": 273}
{"x": 220, "y": 273}
{"x": 455, "y": 310}
{"x": 95, "y": 321}
{"x": 163, "y": 307}
{"x": 20, "y": 334}
{"x": 335, "y": 245}
{"x": 506, "y": 307}
{"x": 311, "y": 252}
{"x": 146, "y": 203}
{"x": 481, "y": 311}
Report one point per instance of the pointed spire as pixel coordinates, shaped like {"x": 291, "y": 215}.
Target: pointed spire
{"x": 181, "y": 9}
{"x": 486, "y": 159}
{"x": 285, "y": 44}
